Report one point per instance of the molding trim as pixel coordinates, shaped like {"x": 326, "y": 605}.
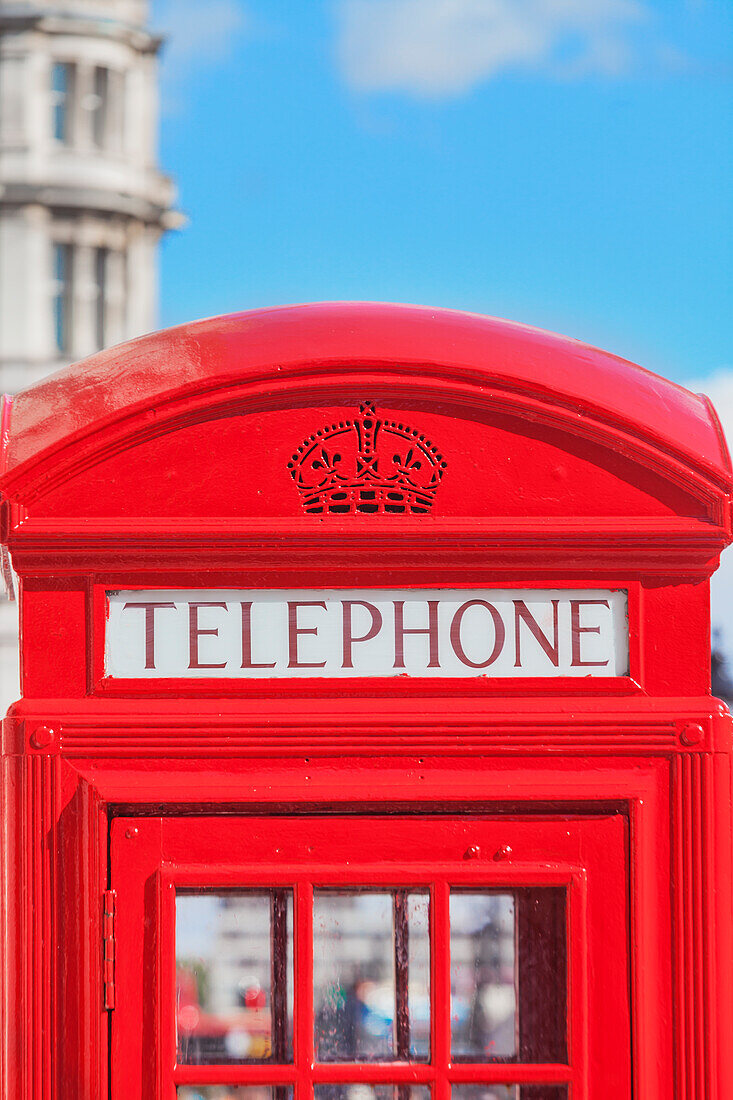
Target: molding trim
{"x": 702, "y": 887}
{"x": 138, "y": 38}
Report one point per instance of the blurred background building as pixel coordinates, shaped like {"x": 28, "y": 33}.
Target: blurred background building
{"x": 83, "y": 203}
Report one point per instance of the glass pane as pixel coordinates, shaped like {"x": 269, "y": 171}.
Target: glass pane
{"x": 483, "y": 1003}
{"x": 99, "y": 106}
{"x": 371, "y": 976}
{"x": 509, "y": 1092}
{"x": 234, "y": 977}
{"x": 542, "y": 976}
{"x": 371, "y": 1092}
{"x": 418, "y": 929}
{"x": 234, "y": 1092}
{"x": 101, "y": 264}
{"x": 508, "y": 976}
{"x": 62, "y": 266}
{"x": 62, "y": 90}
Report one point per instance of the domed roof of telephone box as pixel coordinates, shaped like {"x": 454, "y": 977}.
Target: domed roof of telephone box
{"x": 321, "y": 345}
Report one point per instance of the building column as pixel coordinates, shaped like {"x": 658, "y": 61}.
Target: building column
{"x": 142, "y": 280}
{"x": 26, "y": 288}
{"x": 116, "y": 330}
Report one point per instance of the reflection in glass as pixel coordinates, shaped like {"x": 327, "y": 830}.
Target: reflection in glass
{"x": 371, "y": 1092}
{"x": 509, "y": 1092}
{"x": 234, "y": 1092}
{"x": 483, "y": 1000}
{"x": 371, "y": 976}
{"x": 234, "y": 977}
{"x": 509, "y": 975}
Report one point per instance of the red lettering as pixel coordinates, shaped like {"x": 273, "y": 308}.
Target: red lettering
{"x": 576, "y": 630}
{"x": 455, "y": 634}
{"x": 247, "y": 661}
{"x": 347, "y": 635}
{"x": 522, "y": 614}
{"x": 195, "y": 632}
{"x": 400, "y": 630}
{"x": 294, "y": 632}
{"x": 150, "y": 609}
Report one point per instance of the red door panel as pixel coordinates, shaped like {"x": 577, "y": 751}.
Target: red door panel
{"x": 371, "y": 958}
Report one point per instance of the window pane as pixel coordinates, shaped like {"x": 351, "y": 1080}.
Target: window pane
{"x": 234, "y": 976}
{"x": 542, "y": 975}
{"x": 509, "y": 1092}
{"x": 62, "y": 296}
{"x": 419, "y": 931}
{"x": 101, "y": 256}
{"x": 100, "y": 106}
{"x": 234, "y": 1092}
{"x": 508, "y": 976}
{"x": 483, "y": 1004}
{"x": 62, "y": 91}
{"x": 371, "y": 962}
{"x": 60, "y": 77}
{"x": 371, "y": 1092}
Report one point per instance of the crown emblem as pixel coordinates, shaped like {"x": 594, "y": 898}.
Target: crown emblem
{"x": 367, "y": 464}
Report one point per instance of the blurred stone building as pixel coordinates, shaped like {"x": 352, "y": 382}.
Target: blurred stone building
{"x": 83, "y": 204}
{"x": 721, "y": 682}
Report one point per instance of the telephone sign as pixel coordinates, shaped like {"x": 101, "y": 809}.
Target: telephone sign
{"x": 404, "y": 632}
{"x": 366, "y": 746}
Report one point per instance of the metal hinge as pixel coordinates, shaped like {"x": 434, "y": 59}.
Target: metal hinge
{"x": 108, "y": 948}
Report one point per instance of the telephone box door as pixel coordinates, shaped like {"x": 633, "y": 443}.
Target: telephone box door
{"x": 415, "y": 957}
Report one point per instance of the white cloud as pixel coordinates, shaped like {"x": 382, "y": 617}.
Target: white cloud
{"x": 199, "y": 34}
{"x": 719, "y": 388}
{"x": 445, "y": 47}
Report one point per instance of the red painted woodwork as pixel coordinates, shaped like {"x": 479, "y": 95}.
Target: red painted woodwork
{"x": 164, "y": 464}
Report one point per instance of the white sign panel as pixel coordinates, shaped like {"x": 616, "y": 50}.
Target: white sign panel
{"x": 367, "y": 632}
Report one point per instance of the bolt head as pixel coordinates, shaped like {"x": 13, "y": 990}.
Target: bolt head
{"x": 692, "y": 734}
{"x": 502, "y": 853}
{"x": 42, "y": 737}
{"x": 473, "y": 852}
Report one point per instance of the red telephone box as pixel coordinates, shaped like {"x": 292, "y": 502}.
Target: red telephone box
{"x": 366, "y": 747}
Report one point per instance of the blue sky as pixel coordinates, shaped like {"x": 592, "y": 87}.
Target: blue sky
{"x": 566, "y": 163}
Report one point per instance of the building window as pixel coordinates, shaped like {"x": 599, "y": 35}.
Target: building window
{"x": 101, "y": 266}
{"x": 62, "y": 296}
{"x": 100, "y": 107}
{"x": 62, "y": 98}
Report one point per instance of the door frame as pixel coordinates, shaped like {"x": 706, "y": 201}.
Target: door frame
{"x": 148, "y": 871}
